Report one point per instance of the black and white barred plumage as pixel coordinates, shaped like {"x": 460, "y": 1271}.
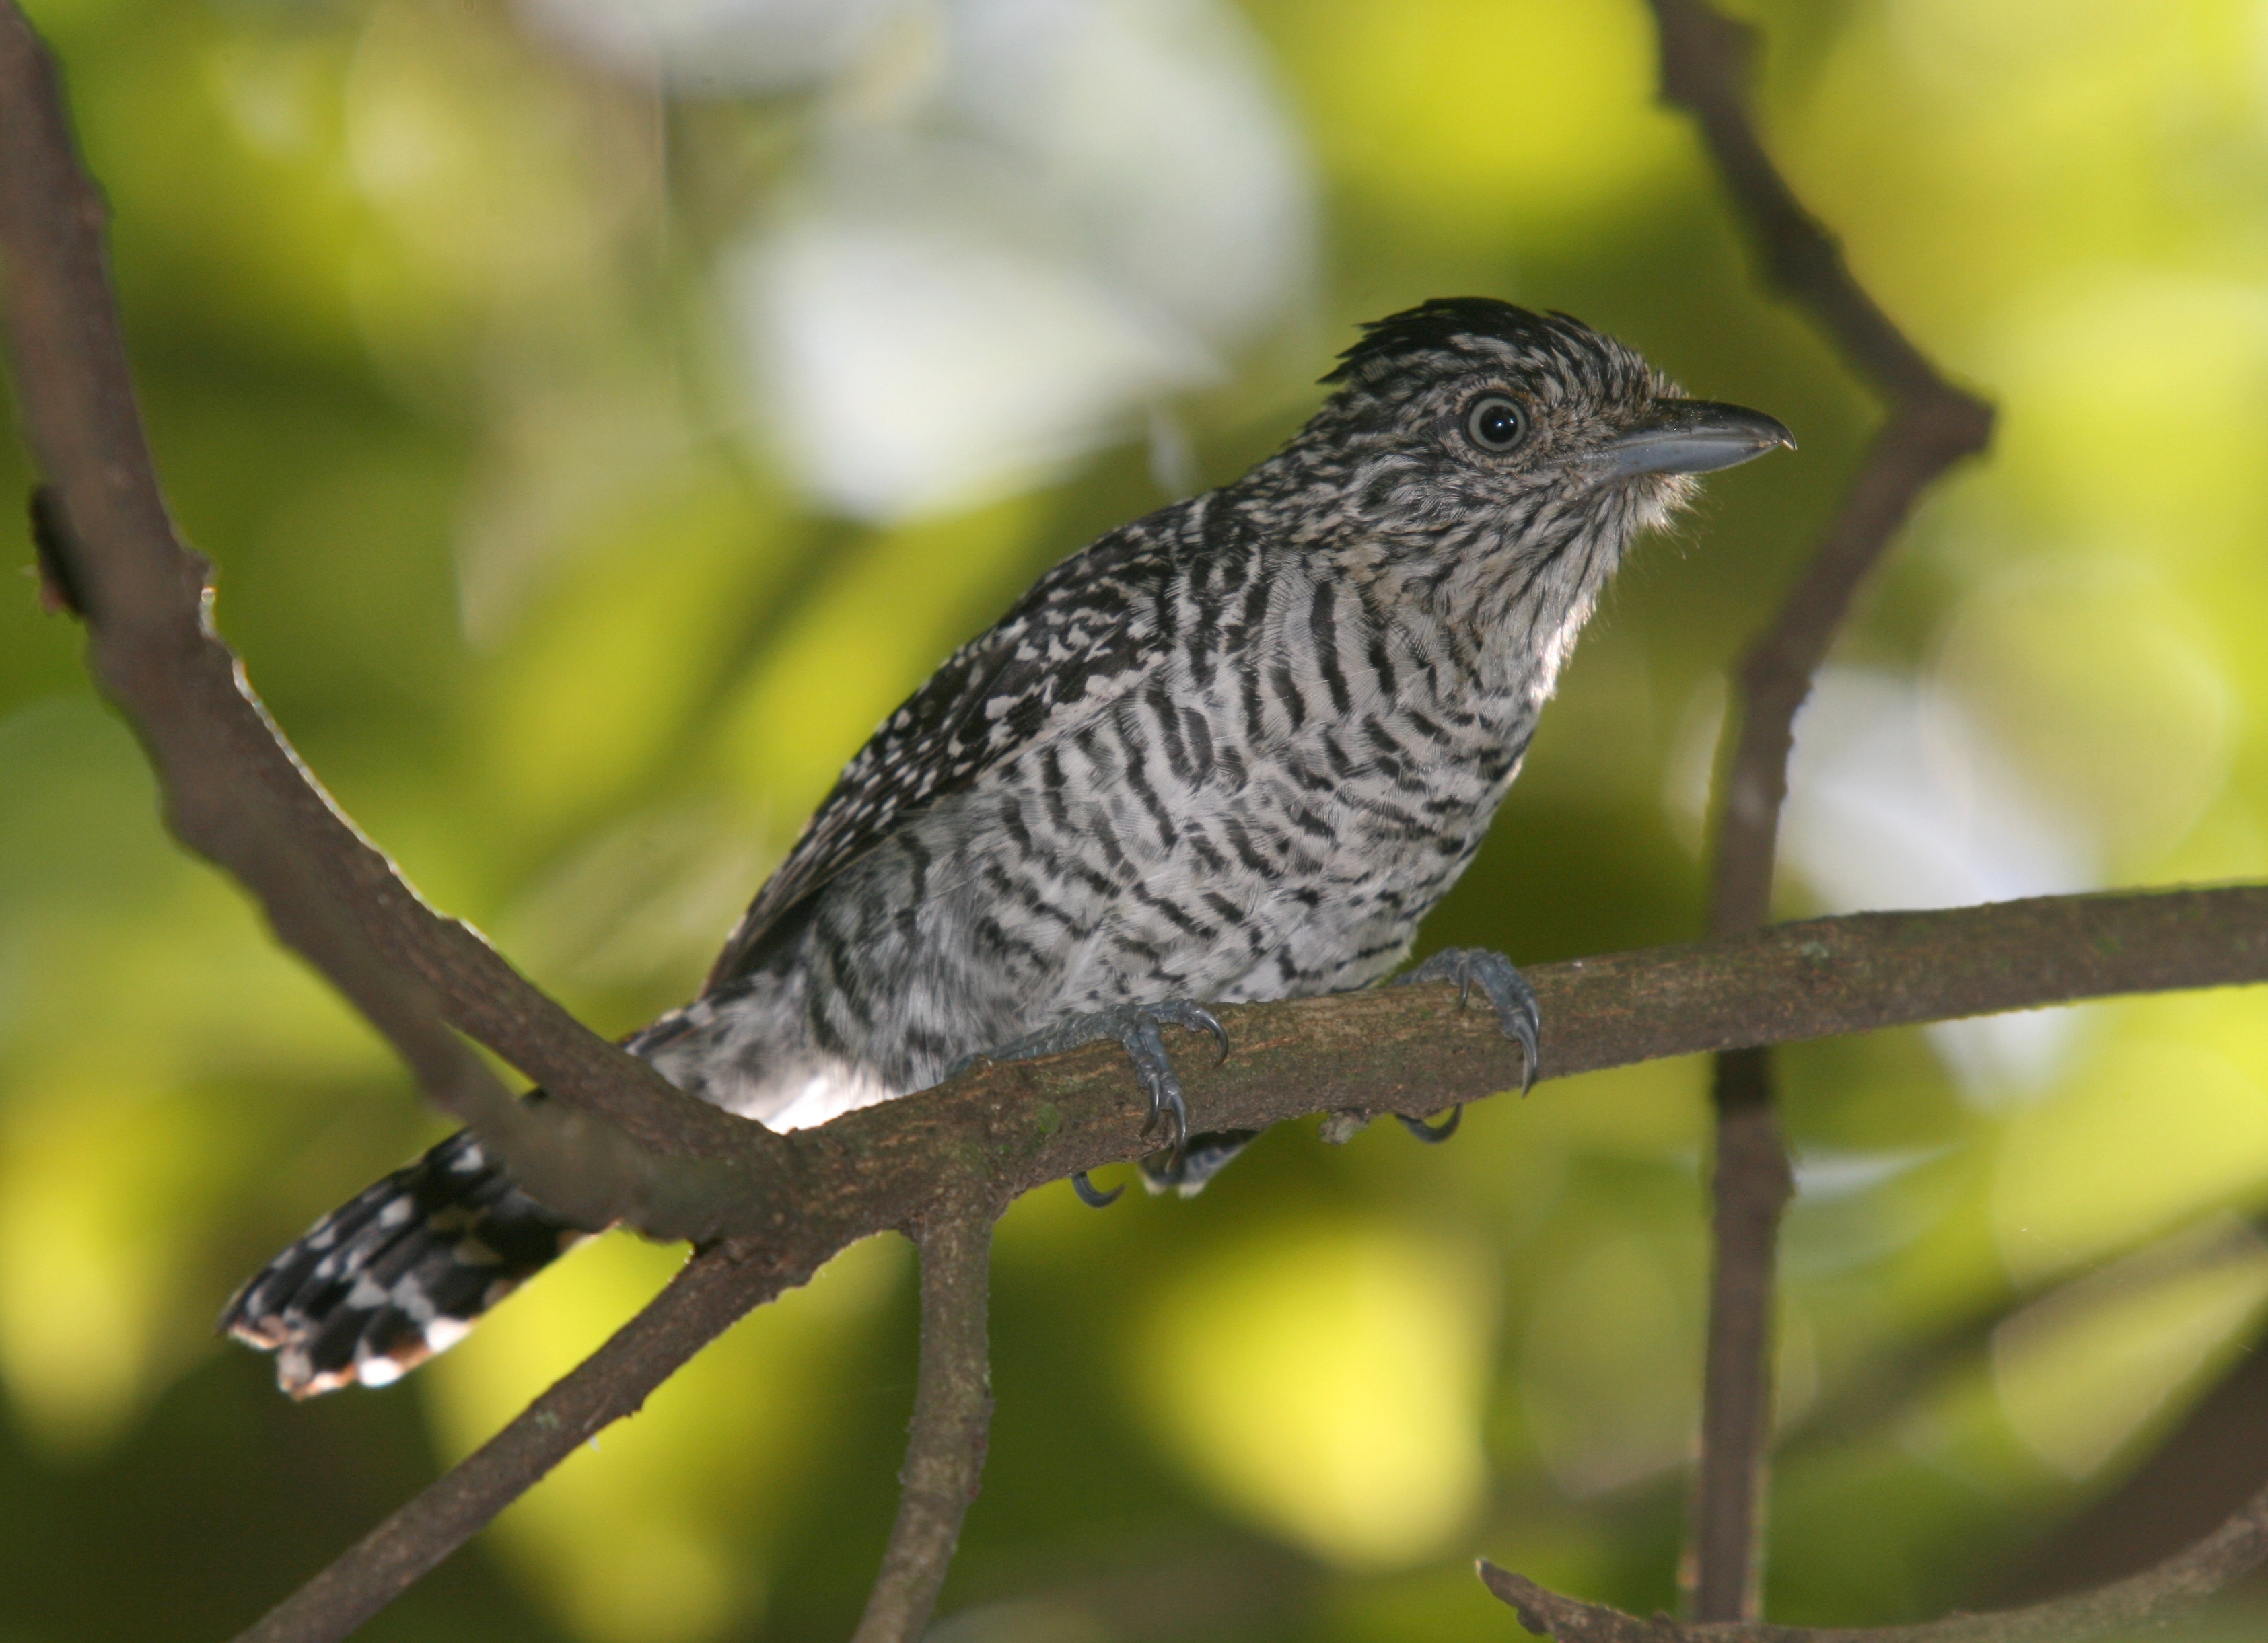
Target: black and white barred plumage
{"x": 1233, "y": 751}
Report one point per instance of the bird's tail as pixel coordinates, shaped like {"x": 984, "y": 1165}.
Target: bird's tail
{"x": 382, "y": 1283}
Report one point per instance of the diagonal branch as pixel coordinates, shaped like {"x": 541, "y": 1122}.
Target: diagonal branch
{"x": 1705, "y": 60}
{"x": 234, "y": 791}
{"x": 951, "y": 1420}
{"x": 2187, "y": 1479}
{"x": 716, "y": 1288}
{"x": 2156, "y": 1595}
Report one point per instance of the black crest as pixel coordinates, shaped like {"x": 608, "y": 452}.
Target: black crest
{"x": 1437, "y": 325}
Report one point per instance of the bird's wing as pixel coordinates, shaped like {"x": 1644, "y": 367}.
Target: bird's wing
{"x": 1083, "y": 637}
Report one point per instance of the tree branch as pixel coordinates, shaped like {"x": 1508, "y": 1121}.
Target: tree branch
{"x": 2188, "y": 1482}
{"x": 1704, "y": 60}
{"x": 1021, "y": 1124}
{"x": 1750, "y": 1190}
{"x": 718, "y": 1286}
{"x": 952, "y": 1416}
{"x": 2239, "y": 1545}
{"x": 234, "y": 791}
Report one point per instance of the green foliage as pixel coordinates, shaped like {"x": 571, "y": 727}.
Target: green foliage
{"x": 422, "y": 312}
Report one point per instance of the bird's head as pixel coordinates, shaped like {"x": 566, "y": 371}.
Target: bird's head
{"x": 1513, "y": 453}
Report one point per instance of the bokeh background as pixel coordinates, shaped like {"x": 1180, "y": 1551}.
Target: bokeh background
{"x": 602, "y": 412}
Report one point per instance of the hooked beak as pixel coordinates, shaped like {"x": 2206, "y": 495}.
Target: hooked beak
{"x": 1693, "y": 436}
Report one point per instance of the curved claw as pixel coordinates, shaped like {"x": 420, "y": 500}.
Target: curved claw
{"x": 1506, "y": 988}
{"x": 1091, "y": 1195}
{"x": 1146, "y": 1047}
{"x": 1522, "y": 1031}
{"x": 1136, "y": 1028}
{"x": 1200, "y": 1019}
{"x": 1167, "y": 1102}
{"x": 1434, "y": 1135}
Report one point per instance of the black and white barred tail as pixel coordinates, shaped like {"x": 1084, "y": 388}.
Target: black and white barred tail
{"x": 401, "y": 1272}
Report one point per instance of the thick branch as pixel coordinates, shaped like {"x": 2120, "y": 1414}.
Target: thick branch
{"x": 716, "y": 1288}
{"x": 1413, "y": 1050}
{"x": 1704, "y": 57}
{"x": 951, "y": 1418}
{"x": 234, "y": 791}
{"x": 2236, "y": 1547}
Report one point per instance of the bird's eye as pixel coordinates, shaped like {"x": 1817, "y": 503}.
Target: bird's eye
{"x": 1495, "y": 422}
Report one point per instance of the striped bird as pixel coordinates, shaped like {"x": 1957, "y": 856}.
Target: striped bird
{"x": 1233, "y": 751}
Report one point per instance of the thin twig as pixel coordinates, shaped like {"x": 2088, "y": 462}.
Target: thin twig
{"x": 2159, "y": 1593}
{"x": 951, "y": 1418}
{"x": 2220, "y": 1448}
{"x": 1705, "y": 59}
{"x": 718, "y": 1286}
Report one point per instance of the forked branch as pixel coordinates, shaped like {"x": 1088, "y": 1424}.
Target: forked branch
{"x": 1392, "y": 1050}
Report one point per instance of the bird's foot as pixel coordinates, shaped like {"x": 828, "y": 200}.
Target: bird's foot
{"x": 1136, "y": 1028}
{"x": 1507, "y": 989}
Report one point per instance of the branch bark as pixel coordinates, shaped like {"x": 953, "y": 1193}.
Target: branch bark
{"x": 1410, "y": 1049}
{"x": 234, "y": 791}
{"x": 951, "y": 1420}
{"x": 716, "y": 1288}
{"x": 1750, "y": 1188}
{"x": 1704, "y": 64}
{"x": 2157, "y": 1594}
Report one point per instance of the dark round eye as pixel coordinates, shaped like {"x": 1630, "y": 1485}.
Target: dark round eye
{"x": 1495, "y": 422}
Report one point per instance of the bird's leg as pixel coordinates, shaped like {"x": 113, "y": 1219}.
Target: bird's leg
{"x": 1135, "y": 1027}
{"x": 1515, "y": 1011}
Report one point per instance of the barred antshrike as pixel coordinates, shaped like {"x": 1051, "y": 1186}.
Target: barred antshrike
{"x": 1233, "y": 751}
